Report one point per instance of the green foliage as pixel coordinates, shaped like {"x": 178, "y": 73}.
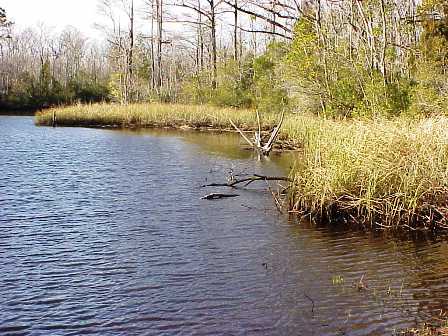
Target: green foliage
{"x": 44, "y": 85}
{"x": 435, "y": 18}
{"x": 86, "y": 90}
{"x": 196, "y": 90}
{"x": 384, "y": 99}
{"x": 114, "y": 86}
{"x": 382, "y": 71}
{"x": 323, "y": 72}
{"x": 269, "y": 89}
{"x": 44, "y": 91}
{"x": 303, "y": 55}
{"x": 341, "y": 87}
{"x": 250, "y": 83}
{"x": 430, "y": 94}
{"x": 346, "y": 94}
{"x": 235, "y": 84}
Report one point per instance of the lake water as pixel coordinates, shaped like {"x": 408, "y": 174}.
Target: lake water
{"x": 104, "y": 233}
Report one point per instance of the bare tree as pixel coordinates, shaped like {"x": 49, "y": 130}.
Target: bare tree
{"x": 210, "y": 12}
{"x": 121, "y": 41}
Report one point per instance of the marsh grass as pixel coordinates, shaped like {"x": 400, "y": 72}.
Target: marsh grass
{"x": 152, "y": 115}
{"x": 381, "y": 174}
{"x": 378, "y": 174}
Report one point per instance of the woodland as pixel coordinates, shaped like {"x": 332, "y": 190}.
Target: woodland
{"x": 345, "y": 58}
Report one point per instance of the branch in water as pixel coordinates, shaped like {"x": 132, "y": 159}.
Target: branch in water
{"x": 262, "y": 149}
{"x": 249, "y": 180}
{"x": 215, "y": 196}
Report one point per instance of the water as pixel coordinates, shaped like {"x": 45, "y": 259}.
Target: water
{"x": 104, "y": 233}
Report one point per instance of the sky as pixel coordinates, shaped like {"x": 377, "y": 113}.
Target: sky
{"x": 57, "y": 14}
{"x": 81, "y": 14}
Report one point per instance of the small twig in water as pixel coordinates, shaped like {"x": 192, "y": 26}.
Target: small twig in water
{"x": 312, "y": 301}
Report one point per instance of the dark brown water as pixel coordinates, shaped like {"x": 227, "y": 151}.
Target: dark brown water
{"x": 104, "y": 233}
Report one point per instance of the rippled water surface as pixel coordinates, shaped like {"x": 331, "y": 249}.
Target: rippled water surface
{"x": 104, "y": 233}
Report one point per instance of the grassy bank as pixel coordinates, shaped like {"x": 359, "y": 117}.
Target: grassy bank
{"x": 382, "y": 174}
{"x": 377, "y": 174}
{"x": 151, "y": 115}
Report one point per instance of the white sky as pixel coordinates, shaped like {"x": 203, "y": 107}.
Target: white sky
{"x": 81, "y": 14}
{"x": 57, "y": 14}
{"x": 53, "y": 13}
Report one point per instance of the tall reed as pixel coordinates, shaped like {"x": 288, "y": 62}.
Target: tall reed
{"x": 385, "y": 174}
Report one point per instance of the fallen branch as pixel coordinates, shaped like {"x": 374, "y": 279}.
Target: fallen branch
{"x": 248, "y": 180}
{"x": 215, "y": 196}
{"x": 266, "y": 149}
{"x": 257, "y": 145}
{"x": 242, "y": 133}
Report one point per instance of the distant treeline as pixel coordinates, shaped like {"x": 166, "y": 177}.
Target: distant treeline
{"x": 39, "y": 70}
{"x": 346, "y": 58}
{"x": 32, "y": 93}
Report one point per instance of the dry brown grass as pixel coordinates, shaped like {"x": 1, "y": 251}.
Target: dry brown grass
{"x": 151, "y": 115}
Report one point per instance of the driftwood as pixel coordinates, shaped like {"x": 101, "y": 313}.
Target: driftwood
{"x": 215, "y": 196}
{"x": 266, "y": 148}
{"x": 234, "y": 183}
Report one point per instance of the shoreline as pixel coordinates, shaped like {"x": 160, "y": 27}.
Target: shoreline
{"x": 281, "y": 145}
{"x": 18, "y": 113}
{"x": 386, "y": 175}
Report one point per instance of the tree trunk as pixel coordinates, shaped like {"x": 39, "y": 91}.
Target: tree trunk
{"x": 214, "y": 47}
{"x": 153, "y": 61}
{"x": 235, "y": 32}
{"x": 384, "y": 49}
{"x": 159, "y": 18}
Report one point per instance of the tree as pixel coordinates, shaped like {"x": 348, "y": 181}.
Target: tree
{"x": 434, "y": 41}
{"x": 39, "y": 68}
{"x": 210, "y": 12}
{"x": 343, "y": 58}
{"x": 4, "y": 24}
{"x": 3, "y": 19}
{"x": 279, "y": 16}
{"x": 159, "y": 21}
{"x": 156, "y": 14}
{"x": 121, "y": 42}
